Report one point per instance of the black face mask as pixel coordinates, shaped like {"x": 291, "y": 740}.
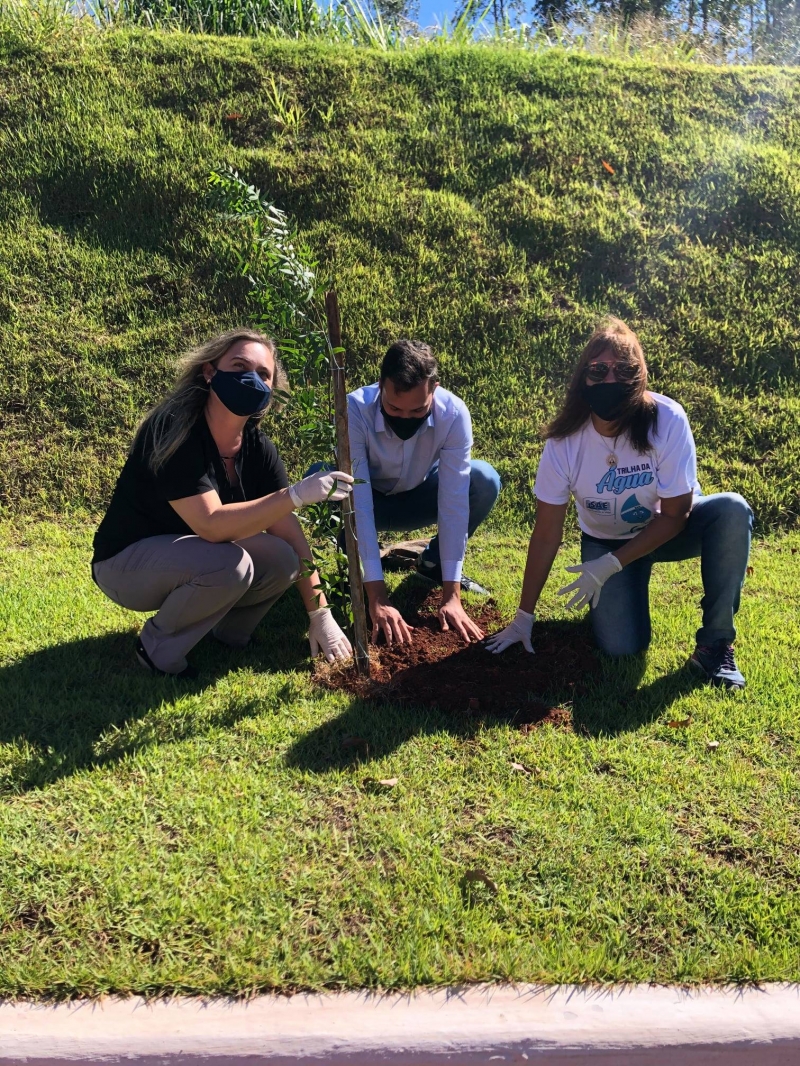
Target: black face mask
{"x": 405, "y": 428}
{"x": 607, "y": 398}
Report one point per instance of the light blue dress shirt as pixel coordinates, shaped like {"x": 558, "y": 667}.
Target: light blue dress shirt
{"x": 390, "y": 465}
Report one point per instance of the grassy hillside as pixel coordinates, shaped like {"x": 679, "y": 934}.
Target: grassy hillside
{"x": 456, "y": 194}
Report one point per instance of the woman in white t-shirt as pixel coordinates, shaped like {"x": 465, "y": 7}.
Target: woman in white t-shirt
{"x": 627, "y": 458}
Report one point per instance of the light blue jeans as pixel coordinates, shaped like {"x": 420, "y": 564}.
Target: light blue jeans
{"x": 405, "y": 512}
{"x": 718, "y": 531}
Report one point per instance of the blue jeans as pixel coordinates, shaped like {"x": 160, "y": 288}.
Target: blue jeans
{"x": 718, "y": 531}
{"x": 407, "y": 511}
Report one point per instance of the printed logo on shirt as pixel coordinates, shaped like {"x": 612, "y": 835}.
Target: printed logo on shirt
{"x": 633, "y": 511}
{"x": 621, "y": 479}
{"x": 602, "y": 508}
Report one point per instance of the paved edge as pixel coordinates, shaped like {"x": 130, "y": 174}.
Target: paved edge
{"x": 502, "y": 1023}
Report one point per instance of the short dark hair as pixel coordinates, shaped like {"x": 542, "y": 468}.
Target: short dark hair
{"x": 409, "y": 363}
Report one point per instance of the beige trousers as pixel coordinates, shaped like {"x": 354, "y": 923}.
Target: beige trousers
{"x": 197, "y": 586}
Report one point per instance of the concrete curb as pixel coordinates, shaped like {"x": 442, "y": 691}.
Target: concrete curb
{"x": 638, "y": 1025}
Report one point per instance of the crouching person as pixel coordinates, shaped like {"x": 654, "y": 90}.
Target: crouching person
{"x": 627, "y": 456}
{"x": 410, "y": 442}
{"x": 201, "y": 525}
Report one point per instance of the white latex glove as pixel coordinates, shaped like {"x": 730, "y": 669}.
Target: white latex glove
{"x": 324, "y": 485}
{"x": 324, "y": 635}
{"x": 591, "y": 578}
{"x": 519, "y": 629}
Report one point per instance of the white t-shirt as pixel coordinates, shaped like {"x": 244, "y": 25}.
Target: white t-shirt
{"x": 616, "y": 501}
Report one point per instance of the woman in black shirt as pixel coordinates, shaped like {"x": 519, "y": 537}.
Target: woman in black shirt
{"x": 201, "y": 527}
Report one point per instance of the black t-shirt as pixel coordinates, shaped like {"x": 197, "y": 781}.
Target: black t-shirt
{"x": 140, "y": 504}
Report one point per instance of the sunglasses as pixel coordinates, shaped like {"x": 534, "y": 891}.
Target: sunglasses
{"x": 622, "y": 371}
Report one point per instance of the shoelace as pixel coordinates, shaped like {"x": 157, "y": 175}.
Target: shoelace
{"x": 722, "y": 653}
{"x": 726, "y": 658}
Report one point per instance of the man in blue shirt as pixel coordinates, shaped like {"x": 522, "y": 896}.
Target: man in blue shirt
{"x": 410, "y": 442}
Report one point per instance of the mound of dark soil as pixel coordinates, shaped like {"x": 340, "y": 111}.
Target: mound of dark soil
{"x": 439, "y": 669}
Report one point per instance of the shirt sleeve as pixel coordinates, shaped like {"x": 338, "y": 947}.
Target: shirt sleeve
{"x": 677, "y": 458}
{"x": 184, "y": 473}
{"x": 454, "y": 472}
{"x": 366, "y": 532}
{"x": 552, "y": 479}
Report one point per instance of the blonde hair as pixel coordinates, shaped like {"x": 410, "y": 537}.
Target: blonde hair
{"x": 170, "y": 421}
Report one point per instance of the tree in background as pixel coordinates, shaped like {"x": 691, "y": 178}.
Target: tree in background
{"x": 397, "y": 12}
{"x": 761, "y": 30}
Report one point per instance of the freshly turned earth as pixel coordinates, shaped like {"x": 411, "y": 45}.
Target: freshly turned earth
{"x": 439, "y": 669}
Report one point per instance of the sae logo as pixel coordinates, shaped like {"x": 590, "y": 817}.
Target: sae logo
{"x": 607, "y": 508}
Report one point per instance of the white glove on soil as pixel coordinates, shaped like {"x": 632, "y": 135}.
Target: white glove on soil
{"x": 519, "y": 629}
{"x": 324, "y": 635}
{"x": 324, "y": 485}
{"x": 592, "y": 576}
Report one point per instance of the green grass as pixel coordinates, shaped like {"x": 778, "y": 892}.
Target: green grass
{"x": 216, "y": 838}
{"x": 453, "y": 193}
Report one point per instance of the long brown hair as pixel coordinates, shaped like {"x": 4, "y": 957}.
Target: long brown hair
{"x": 170, "y": 421}
{"x": 639, "y": 415}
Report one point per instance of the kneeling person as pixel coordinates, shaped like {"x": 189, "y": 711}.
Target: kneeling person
{"x": 410, "y": 442}
{"x": 627, "y": 457}
{"x": 200, "y": 527}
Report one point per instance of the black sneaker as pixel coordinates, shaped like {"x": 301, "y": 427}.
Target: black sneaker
{"x": 716, "y": 661}
{"x": 188, "y": 674}
{"x": 433, "y": 573}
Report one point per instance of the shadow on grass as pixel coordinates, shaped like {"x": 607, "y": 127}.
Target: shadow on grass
{"x": 369, "y": 730}
{"x": 86, "y": 702}
{"x": 618, "y": 705}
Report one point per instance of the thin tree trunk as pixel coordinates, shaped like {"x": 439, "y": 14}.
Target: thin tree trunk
{"x": 752, "y": 31}
{"x": 360, "y": 635}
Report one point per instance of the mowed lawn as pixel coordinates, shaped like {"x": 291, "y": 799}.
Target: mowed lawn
{"x": 216, "y": 837}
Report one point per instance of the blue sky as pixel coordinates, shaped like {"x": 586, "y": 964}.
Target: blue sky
{"x": 431, "y": 11}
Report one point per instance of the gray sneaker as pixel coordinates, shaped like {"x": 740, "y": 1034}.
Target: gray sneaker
{"x": 433, "y": 573}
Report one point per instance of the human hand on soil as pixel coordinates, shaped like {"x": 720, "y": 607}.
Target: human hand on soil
{"x": 519, "y": 629}
{"x": 591, "y": 578}
{"x": 322, "y": 486}
{"x": 326, "y": 636}
{"x": 388, "y": 620}
{"x": 451, "y": 613}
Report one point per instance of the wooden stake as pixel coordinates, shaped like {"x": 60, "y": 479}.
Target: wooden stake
{"x": 361, "y": 633}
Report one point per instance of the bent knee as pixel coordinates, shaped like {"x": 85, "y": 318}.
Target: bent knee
{"x": 732, "y": 506}
{"x": 284, "y": 561}
{"x": 618, "y": 645}
{"x": 483, "y": 478}
{"x": 616, "y": 650}
{"x": 231, "y": 565}
{"x": 316, "y": 467}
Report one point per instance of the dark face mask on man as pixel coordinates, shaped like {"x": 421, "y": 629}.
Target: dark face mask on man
{"x": 404, "y": 428}
{"x": 242, "y": 391}
{"x": 607, "y": 399}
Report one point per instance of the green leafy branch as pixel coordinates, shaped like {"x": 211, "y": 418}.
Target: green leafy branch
{"x": 286, "y": 301}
